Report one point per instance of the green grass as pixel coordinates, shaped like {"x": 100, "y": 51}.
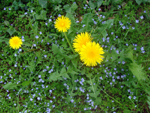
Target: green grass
{"x": 44, "y": 75}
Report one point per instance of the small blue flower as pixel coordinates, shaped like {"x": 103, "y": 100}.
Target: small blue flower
{"x": 23, "y": 40}
{"x": 137, "y": 21}
{"x": 134, "y": 97}
{"x": 72, "y": 100}
{"x": 123, "y": 62}
{"x": 53, "y": 106}
{"x": 77, "y": 21}
{"x": 142, "y": 48}
{"x": 31, "y": 99}
{"x": 25, "y": 13}
{"x": 36, "y": 36}
{"x": 123, "y": 27}
{"x": 141, "y": 17}
{"x": 50, "y": 20}
{"x": 129, "y": 97}
{"x": 101, "y": 78}
{"x": 119, "y": 6}
{"x": 34, "y": 45}
{"x": 51, "y": 101}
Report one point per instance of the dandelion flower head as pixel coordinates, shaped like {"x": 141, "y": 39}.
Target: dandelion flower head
{"x": 91, "y": 54}
{"x": 15, "y": 42}
{"x": 62, "y": 24}
{"x": 80, "y": 40}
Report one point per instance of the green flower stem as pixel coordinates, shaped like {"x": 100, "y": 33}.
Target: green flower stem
{"x": 112, "y": 98}
{"x": 30, "y": 51}
{"x": 69, "y": 42}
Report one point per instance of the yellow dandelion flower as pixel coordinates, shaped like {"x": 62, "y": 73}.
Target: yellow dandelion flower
{"x": 91, "y": 54}
{"x": 15, "y": 42}
{"x": 80, "y": 40}
{"x": 62, "y": 24}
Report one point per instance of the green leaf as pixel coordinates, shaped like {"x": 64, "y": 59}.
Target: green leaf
{"x": 73, "y": 7}
{"x": 11, "y": 31}
{"x": 3, "y": 39}
{"x": 70, "y": 57}
{"x": 43, "y": 3}
{"x": 138, "y": 2}
{"x": 117, "y": 2}
{"x": 31, "y": 65}
{"x": 64, "y": 73}
{"x": 109, "y": 23}
{"x": 114, "y": 55}
{"x": 75, "y": 63}
{"x": 91, "y": 4}
{"x": 52, "y": 34}
{"x": 21, "y": 16}
{"x": 67, "y": 8}
{"x": 6, "y": 23}
{"x": 57, "y": 7}
{"x": 129, "y": 53}
{"x": 10, "y": 85}
{"x": 26, "y": 83}
{"x": 148, "y": 97}
{"x": 56, "y": 1}
{"x": 99, "y": 3}
{"x": 42, "y": 15}
{"x": 127, "y": 111}
{"x": 137, "y": 71}
{"x": 59, "y": 52}
{"x": 71, "y": 71}
{"x": 87, "y": 19}
{"x": 27, "y": 44}
{"x": 94, "y": 94}
{"x": 98, "y": 100}
{"x": 58, "y": 76}
{"x": 83, "y": 71}
{"x": 102, "y": 30}
{"x": 70, "y": 9}
{"x": 148, "y": 100}
{"x": 35, "y": 27}
{"x": 71, "y": 17}
{"x": 89, "y": 75}
{"x": 55, "y": 76}
{"x": 56, "y": 50}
